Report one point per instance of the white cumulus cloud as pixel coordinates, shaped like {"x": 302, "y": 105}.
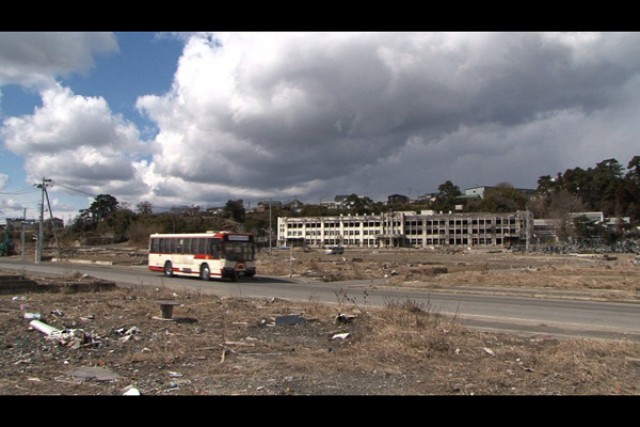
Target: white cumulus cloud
{"x": 77, "y": 141}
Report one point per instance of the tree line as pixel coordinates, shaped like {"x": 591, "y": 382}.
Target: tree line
{"x": 607, "y": 187}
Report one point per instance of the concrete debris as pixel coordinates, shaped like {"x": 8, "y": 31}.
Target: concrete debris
{"x": 125, "y": 331}
{"x": 174, "y": 374}
{"x": 125, "y": 334}
{"x": 340, "y": 336}
{"x": 74, "y": 338}
{"x": 19, "y": 298}
{"x": 31, "y": 316}
{"x": 57, "y": 313}
{"x": 294, "y": 319}
{"x": 344, "y": 318}
{"x": 42, "y": 327}
{"x": 489, "y": 351}
{"x": 94, "y": 373}
{"x": 131, "y": 391}
{"x": 263, "y": 322}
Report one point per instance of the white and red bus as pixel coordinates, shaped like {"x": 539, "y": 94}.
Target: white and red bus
{"x": 222, "y": 254}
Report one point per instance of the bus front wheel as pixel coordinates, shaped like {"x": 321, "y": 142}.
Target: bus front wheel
{"x": 168, "y": 269}
{"x": 205, "y": 273}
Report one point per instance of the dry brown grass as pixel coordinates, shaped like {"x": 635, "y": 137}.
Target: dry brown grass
{"x": 231, "y": 346}
{"x": 440, "y": 270}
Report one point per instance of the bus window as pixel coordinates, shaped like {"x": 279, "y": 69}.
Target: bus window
{"x": 239, "y": 251}
{"x": 166, "y": 245}
{"x": 214, "y": 248}
{"x": 199, "y": 246}
{"x": 186, "y": 246}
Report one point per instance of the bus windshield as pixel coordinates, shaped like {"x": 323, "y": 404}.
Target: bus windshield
{"x": 239, "y": 251}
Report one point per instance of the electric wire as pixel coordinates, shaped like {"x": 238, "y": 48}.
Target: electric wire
{"x": 75, "y": 189}
{"x": 19, "y": 192}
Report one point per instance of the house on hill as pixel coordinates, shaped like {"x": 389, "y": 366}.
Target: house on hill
{"x": 264, "y": 205}
{"x": 478, "y": 192}
{"x": 294, "y": 206}
{"x": 340, "y": 200}
{"x": 397, "y": 199}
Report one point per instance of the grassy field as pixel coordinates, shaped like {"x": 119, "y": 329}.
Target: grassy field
{"x": 229, "y": 346}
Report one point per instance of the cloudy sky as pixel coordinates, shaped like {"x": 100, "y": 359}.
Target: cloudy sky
{"x": 202, "y": 118}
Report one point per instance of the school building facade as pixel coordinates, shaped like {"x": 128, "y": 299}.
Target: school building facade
{"x": 407, "y": 229}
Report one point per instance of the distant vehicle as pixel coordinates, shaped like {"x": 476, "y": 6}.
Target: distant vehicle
{"x": 220, "y": 254}
{"x": 334, "y": 250}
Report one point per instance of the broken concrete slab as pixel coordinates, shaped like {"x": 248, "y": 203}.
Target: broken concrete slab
{"x": 32, "y": 316}
{"x": 340, "y": 336}
{"x": 94, "y": 373}
{"x": 489, "y": 351}
{"x": 131, "y": 391}
{"x": 294, "y": 319}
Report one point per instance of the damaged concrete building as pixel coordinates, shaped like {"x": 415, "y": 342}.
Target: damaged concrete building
{"x": 407, "y": 229}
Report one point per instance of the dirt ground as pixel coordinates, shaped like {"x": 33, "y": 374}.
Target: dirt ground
{"x": 114, "y": 340}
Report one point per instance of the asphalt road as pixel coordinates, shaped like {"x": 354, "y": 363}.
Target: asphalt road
{"x": 486, "y": 311}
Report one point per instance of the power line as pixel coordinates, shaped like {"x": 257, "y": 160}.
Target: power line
{"x": 13, "y": 207}
{"x": 75, "y": 189}
{"x": 24, "y": 191}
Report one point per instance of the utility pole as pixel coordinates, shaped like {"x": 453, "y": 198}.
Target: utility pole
{"x": 39, "y": 242}
{"x": 53, "y": 225}
{"x": 290, "y": 260}
{"x": 270, "y": 226}
{"x": 22, "y": 240}
{"x": 527, "y": 228}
